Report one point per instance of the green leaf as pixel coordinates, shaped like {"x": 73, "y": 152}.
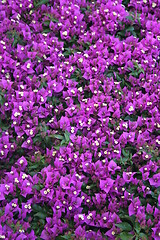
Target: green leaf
{"x": 125, "y": 236}
{"x": 83, "y": 10}
{"x": 143, "y": 236}
{"x": 129, "y": 17}
{"x": 127, "y": 218}
{"x": 124, "y": 226}
{"x": 131, "y": 69}
{"x": 66, "y": 54}
{"x": 37, "y": 207}
{"x": 32, "y": 173}
{"x": 67, "y": 136}
{"x": 130, "y": 29}
{"x": 41, "y": 59}
{"x": 136, "y": 65}
{"x": 123, "y": 160}
{"x": 137, "y": 227}
{"x": 41, "y": 215}
{"x": 125, "y": 2}
{"x": 132, "y": 118}
{"x": 34, "y": 166}
{"x": 37, "y": 138}
{"x": 46, "y": 30}
{"x": 63, "y": 142}
{"x": 118, "y": 77}
{"x": 38, "y": 187}
{"x": 141, "y": 70}
{"x": 41, "y": 3}
{"x": 54, "y": 20}
{"x": 125, "y": 152}
{"x": 138, "y": 18}
{"x": 64, "y": 237}
{"x": 42, "y": 221}
{"x": 2, "y": 100}
{"x": 57, "y": 136}
{"x": 47, "y": 22}
{"x": 122, "y": 33}
{"x": 57, "y": 147}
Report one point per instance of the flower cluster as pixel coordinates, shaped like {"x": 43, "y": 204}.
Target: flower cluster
{"x": 79, "y": 119}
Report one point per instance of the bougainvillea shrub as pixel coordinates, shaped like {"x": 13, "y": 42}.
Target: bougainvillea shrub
{"x": 80, "y": 119}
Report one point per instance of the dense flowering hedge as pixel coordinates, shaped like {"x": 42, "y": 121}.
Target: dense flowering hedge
{"x": 79, "y": 119}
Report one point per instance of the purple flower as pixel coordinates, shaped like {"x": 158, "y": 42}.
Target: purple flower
{"x": 2, "y": 189}
{"x": 21, "y": 236}
{"x": 26, "y": 187}
{"x": 128, "y": 176}
{"x": 112, "y": 167}
{"x": 80, "y": 233}
{"x": 6, "y": 189}
{"x": 26, "y": 208}
{"x": 134, "y": 206}
{"x": 45, "y": 235}
{"x": 128, "y": 137}
{"x": 112, "y": 232}
{"x": 155, "y": 180}
{"x": 72, "y": 66}
{"x": 64, "y": 123}
{"x": 22, "y": 163}
{"x": 28, "y": 67}
{"x": 47, "y": 193}
{"x": 58, "y": 87}
{"x": 156, "y": 232}
{"x": 106, "y": 185}
{"x": 131, "y": 209}
{"x": 130, "y": 108}
{"x": 79, "y": 219}
{"x": 28, "y": 144}
{"x": 65, "y": 182}
{"x": 149, "y": 209}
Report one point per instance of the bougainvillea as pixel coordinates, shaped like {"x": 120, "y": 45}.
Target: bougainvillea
{"x": 79, "y": 119}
